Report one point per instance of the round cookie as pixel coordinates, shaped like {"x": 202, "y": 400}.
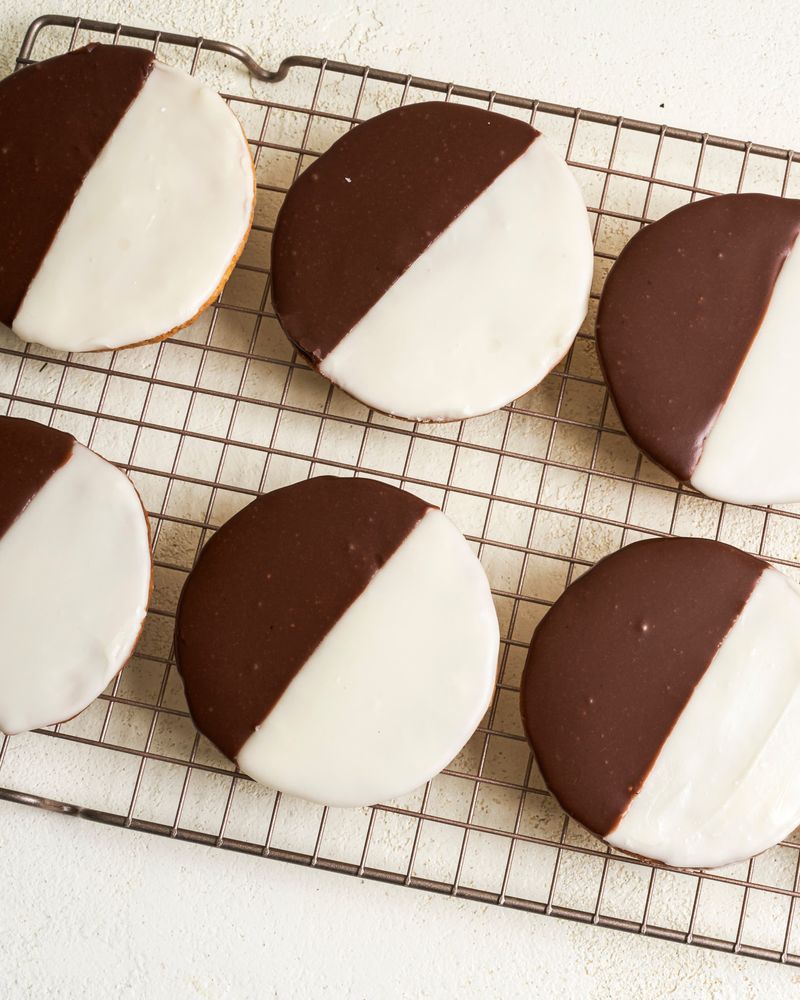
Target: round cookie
{"x": 697, "y": 334}
{"x": 661, "y": 696}
{"x": 435, "y": 262}
{"x": 337, "y": 639}
{"x": 75, "y": 574}
{"x": 127, "y": 196}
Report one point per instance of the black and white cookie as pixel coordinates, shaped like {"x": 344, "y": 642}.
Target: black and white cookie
{"x": 435, "y": 263}
{"x": 661, "y": 697}
{"x": 127, "y": 194}
{"x": 75, "y": 571}
{"x": 337, "y": 639}
{"x": 697, "y": 333}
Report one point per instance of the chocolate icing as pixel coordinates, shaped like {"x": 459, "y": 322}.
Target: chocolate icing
{"x": 614, "y": 662}
{"x": 268, "y": 588}
{"x": 679, "y": 311}
{"x": 356, "y": 219}
{"x": 55, "y": 118}
{"x": 29, "y": 455}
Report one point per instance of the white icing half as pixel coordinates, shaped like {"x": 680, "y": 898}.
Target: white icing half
{"x": 398, "y": 685}
{"x": 74, "y": 583}
{"x": 752, "y": 454}
{"x": 487, "y": 310}
{"x": 726, "y": 784}
{"x": 153, "y": 228}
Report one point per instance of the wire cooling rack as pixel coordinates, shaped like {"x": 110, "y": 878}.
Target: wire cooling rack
{"x": 543, "y": 488}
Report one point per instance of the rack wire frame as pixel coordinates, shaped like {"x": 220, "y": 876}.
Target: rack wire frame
{"x": 577, "y": 488}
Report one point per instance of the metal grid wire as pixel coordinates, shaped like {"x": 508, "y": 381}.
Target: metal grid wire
{"x": 226, "y": 409}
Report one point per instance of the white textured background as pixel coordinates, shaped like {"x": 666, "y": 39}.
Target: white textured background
{"x": 90, "y": 912}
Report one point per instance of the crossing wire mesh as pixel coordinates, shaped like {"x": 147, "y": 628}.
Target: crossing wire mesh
{"x": 206, "y": 421}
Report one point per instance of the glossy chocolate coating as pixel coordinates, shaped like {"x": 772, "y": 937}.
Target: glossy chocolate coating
{"x": 356, "y": 219}
{"x": 613, "y": 663}
{"x": 55, "y": 119}
{"x": 679, "y": 311}
{"x": 270, "y": 585}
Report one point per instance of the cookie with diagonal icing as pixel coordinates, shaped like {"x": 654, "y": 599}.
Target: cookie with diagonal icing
{"x": 661, "y": 696}
{"x": 697, "y": 332}
{"x": 435, "y": 262}
{"x": 75, "y": 574}
{"x": 337, "y": 639}
{"x": 127, "y": 197}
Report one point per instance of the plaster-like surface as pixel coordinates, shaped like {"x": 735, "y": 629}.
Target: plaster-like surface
{"x": 719, "y": 67}
{"x": 91, "y": 912}
{"x": 94, "y": 912}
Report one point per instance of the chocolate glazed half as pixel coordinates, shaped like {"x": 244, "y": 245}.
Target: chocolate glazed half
{"x": 679, "y": 311}
{"x": 614, "y": 662}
